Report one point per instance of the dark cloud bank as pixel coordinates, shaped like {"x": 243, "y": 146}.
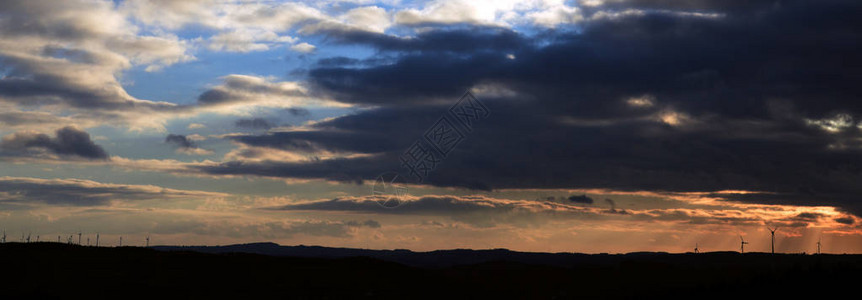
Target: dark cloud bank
{"x": 761, "y": 95}
{"x": 255, "y": 123}
{"x": 180, "y": 141}
{"x": 68, "y": 142}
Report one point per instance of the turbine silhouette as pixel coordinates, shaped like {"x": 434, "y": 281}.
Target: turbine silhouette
{"x": 772, "y": 231}
{"x": 742, "y": 244}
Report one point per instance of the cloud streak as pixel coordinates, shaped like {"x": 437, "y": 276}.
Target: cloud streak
{"x": 78, "y": 192}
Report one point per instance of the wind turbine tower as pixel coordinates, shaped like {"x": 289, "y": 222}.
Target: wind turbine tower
{"x": 4, "y": 237}
{"x": 742, "y": 244}
{"x": 148, "y": 240}
{"x": 818, "y": 245}
{"x": 97, "y": 240}
{"x": 695, "y": 248}
{"x": 772, "y": 231}
{"x": 79, "y": 237}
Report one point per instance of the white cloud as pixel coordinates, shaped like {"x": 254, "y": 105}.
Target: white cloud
{"x": 241, "y": 26}
{"x": 641, "y": 101}
{"x": 247, "y": 40}
{"x": 553, "y": 16}
{"x": 454, "y": 11}
{"x": 242, "y": 94}
{"x": 194, "y": 151}
{"x": 834, "y": 124}
{"x": 370, "y": 18}
{"x": 303, "y": 48}
{"x": 77, "y": 52}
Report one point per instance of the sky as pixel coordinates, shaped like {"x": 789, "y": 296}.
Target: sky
{"x": 596, "y": 126}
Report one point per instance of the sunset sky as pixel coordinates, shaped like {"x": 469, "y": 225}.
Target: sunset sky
{"x": 602, "y": 126}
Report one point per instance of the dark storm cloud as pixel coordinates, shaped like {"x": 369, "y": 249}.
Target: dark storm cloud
{"x": 809, "y": 216}
{"x": 763, "y": 98}
{"x": 337, "y": 61}
{"x": 442, "y": 75}
{"x": 470, "y": 40}
{"x": 68, "y": 142}
{"x": 184, "y": 144}
{"x": 731, "y": 65}
{"x": 256, "y": 123}
{"x": 180, "y": 141}
{"x": 450, "y": 62}
{"x": 298, "y": 112}
{"x": 846, "y": 221}
{"x": 365, "y": 142}
{"x": 340, "y": 169}
{"x": 695, "y": 5}
{"x": 215, "y": 96}
{"x": 581, "y": 199}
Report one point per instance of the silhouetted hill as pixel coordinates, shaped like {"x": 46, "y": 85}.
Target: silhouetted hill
{"x": 455, "y": 257}
{"x": 439, "y": 258}
{"x": 52, "y": 270}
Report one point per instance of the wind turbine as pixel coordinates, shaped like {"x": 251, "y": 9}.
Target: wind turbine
{"x": 772, "y": 231}
{"x": 695, "y": 248}
{"x": 818, "y": 245}
{"x": 121, "y": 241}
{"x": 4, "y": 236}
{"x": 742, "y": 244}
{"x": 97, "y": 239}
{"x": 148, "y": 240}
{"x": 79, "y": 236}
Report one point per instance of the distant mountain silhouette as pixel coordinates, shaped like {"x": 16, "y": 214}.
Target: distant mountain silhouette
{"x": 455, "y": 257}
{"x": 269, "y": 271}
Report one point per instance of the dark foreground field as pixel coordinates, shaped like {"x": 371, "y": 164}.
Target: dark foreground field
{"x": 51, "y": 270}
